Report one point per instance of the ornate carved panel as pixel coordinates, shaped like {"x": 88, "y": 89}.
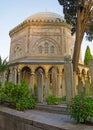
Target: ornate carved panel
{"x": 44, "y": 47}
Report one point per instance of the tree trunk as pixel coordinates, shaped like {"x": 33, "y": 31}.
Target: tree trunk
{"x": 78, "y": 41}
{"x": 83, "y": 15}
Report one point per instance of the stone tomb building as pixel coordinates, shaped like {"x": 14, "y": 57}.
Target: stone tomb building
{"x": 37, "y": 50}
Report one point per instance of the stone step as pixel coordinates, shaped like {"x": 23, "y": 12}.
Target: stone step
{"x": 59, "y": 109}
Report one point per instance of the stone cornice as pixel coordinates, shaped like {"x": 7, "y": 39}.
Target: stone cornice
{"x": 28, "y": 23}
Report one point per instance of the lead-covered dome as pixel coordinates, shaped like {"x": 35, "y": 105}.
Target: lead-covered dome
{"x": 41, "y": 17}
{"x": 45, "y": 16}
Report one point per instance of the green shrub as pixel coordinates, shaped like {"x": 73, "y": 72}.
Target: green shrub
{"x": 62, "y": 99}
{"x": 90, "y": 89}
{"x": 0, "y": 95}
{"x": 17, "y": 95}
{"x": 25, "y": 103}
{"x": 35, "y": 95}
{"x": 52, "y": 99}
{"x": 81, "y": 108}
{"x": 0, "y": 83}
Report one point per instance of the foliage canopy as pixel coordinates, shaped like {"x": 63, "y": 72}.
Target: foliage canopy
{"x": 3, "y": 64}
{"x": 79, "y": 14}
{"x": 88, "y": 56}
{"x": 70, "y": 8}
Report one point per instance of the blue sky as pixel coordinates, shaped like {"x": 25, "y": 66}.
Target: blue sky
{"x": 13, "y": 12}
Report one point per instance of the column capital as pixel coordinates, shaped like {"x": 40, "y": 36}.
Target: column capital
{"x": 60, "y": 68}
{"x": 80, "y": 76}
{"x": 32, "y": 72}
{"x": 19, "y": 69}
{"x": 46, "y": 71}
{"x": 46, "y": 74}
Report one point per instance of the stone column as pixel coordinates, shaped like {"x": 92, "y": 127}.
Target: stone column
{"x": 87, "y": 83}
{"x": 68, "y": 69}
{"x": 80, "y": 84}
{"x": 76, "y": 81}
{"x": 19, "y": 76}
{"x": 3, "y": 77}
{"x": 15, "y": 76}
{"x": 10, "y": 75}
{"x": 91, "y": 72}
{"x": 46, "y": 85}
{"x": 55, "y": 80}
{"x": 59, "y": 84}
{"x": 63, "y": 86}
{"x": 32, "y": 82}
{"x": 40, "y": 85}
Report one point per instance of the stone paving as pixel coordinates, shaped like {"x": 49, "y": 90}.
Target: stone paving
{"x": 58, "y": 120}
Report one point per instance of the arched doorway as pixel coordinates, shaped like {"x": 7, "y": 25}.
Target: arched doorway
{"x": 40, "y": 78}
{"x": 26, "y": 74}
{"x": 53, "y": 80}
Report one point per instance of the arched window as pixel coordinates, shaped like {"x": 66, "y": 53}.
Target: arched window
{"x": 46, "y": 47}
{"x": 52, "y": 49}
{"x": 40, "y": 49}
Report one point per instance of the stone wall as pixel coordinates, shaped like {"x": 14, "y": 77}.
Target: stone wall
{"x": 11, "y": 119}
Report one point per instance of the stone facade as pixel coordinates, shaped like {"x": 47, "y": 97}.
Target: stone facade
{"x": 37, "y": 50}
{"x": 44, "y": 37}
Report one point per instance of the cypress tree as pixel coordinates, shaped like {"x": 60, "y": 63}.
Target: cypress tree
{"x": 87, "y": 56}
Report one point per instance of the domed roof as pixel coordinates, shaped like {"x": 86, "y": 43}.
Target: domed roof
{"x": 45, "y": 16}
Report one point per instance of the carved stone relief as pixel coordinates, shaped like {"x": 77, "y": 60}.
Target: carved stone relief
{"x": 45, "y": 47}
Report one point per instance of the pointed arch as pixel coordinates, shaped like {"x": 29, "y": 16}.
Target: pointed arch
{"x": 26, "y": 73}
{"x": 48, "y": 45}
